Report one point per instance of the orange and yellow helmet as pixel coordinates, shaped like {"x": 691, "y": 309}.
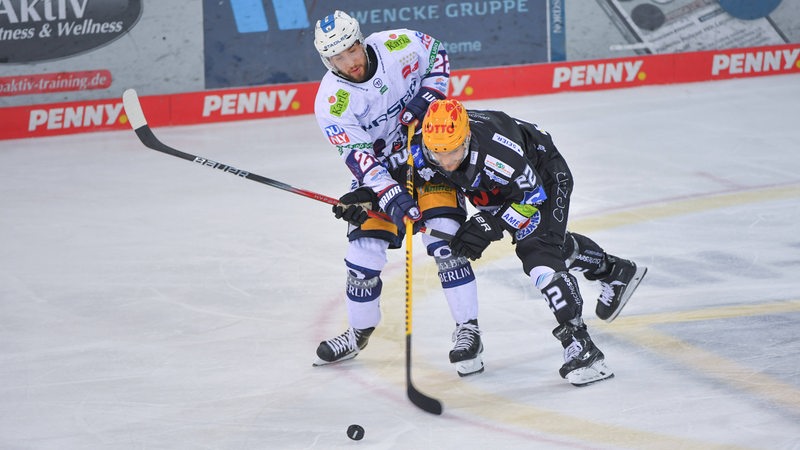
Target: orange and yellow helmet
{"x": 445, "y": 133}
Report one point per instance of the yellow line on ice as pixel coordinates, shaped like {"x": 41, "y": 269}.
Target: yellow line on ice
{"x": 638, "y": 330}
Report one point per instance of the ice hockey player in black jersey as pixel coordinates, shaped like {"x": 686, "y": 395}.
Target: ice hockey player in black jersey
{"x": 518, "y": 181}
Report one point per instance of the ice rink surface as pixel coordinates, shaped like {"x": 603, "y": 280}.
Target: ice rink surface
{"x": 149, "y": 303}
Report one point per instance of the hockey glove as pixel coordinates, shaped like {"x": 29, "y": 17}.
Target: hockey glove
{"x": 475, "y": 235}
{"x": 418, "y": 106}
{"x": 353, "y": 206}
{"x": 398, "y": 204}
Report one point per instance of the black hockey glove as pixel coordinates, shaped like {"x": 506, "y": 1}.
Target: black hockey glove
{"x": 417, "y": 107}
{"x": 353, "y": 206}
{"x": 398, "y": 203}
{"x": 475, "y": 235}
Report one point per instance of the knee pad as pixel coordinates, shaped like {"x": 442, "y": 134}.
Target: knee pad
{"x": 540, "y": 251}
{"x": 563, "y": 297}
{"x": 363, "y": 285}
{"x": 453, "y": 271}
{"x": 365, "y": 260}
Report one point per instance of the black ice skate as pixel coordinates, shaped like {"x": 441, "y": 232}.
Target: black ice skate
{"x": 617, "y": 287}
{"x": 343, "y": 347}
{"x": 584, "y": 362}
{"x": 466, "y": 353}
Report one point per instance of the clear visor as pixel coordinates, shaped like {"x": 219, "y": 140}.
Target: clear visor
{"x": 449, "y": 161}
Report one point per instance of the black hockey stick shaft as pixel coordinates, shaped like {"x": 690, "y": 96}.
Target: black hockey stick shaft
{"x": 136, "y": 117}
{"x": 422, "y": 401}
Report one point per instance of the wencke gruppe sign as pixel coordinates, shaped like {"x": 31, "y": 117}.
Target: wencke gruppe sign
{"x": 257, "y": 42}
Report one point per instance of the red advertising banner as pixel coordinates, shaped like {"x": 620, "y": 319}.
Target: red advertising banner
{"x": 54, "y": 82}
{"x": 478, "y": 84}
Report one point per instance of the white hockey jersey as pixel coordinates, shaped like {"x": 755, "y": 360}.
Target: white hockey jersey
{"x": 361, "y": 119}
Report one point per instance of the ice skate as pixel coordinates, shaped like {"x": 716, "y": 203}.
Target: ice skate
{"x": 618, "y": 287}
{"x": 468, "y": 348}
{"x": 343, "y": 347}
{"x": 584, "y": 363}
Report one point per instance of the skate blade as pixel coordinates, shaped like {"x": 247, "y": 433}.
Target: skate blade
{"x": 321, "y": 362}
{"x": 585, "y": 376}
{"x": 469, "y": 367}
{"x": 629, "y": 290}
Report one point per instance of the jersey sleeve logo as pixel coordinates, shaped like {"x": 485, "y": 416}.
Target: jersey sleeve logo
{"x": 339, "y": 102}
{"x": 396, "y": 43}
{"x": 337, "y": 135}
{"x": 425, "y": 39}
{"x": 502, "y": 140}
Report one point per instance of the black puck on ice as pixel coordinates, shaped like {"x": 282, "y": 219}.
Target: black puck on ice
{"x": 355, "y": 432}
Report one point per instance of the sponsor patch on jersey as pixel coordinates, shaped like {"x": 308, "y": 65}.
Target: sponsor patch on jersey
{"x": 498, "y": 166}
{"x": 506, "y": 142}
{"x": 476, "y": 182}
{"x": 426, "y": 40}
{"x": 535, "y": 196}
{"x": 440, "y": 84}
{"x": 530, "y": 227}
{"x": 337, "y": 135}
{"x": 396, "y": 43}
{"x": 494, "y": 177}
{"x": 339, "y": 102}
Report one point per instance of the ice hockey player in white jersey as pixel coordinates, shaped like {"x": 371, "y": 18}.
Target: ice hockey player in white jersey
{"x": 375, "y": 88}
{"x": 518, "y": 180}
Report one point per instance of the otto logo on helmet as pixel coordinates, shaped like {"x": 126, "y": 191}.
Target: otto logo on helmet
{"x": 445, "y": 134}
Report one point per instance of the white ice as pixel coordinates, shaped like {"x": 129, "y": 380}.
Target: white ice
{"x": 147, "y": 302}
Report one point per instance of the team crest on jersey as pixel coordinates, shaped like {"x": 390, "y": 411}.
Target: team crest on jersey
{"x": 408, "y": 70}
{"x": 339, "y": 102}
{"x": 396, "y": 42}
{"x": 337, "y": 135}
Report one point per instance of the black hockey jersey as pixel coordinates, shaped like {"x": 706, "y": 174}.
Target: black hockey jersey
{"x": 504, "y": 160}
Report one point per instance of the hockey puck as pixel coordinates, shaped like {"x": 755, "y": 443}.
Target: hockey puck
{"x": 648, "y": 17}
{"x": 355, "y": 432}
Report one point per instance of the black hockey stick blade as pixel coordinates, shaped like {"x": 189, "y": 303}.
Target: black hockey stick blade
{"x": 420, "y": 400}
{"x": 138, "y": 121}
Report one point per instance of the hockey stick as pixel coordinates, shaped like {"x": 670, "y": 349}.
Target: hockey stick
{"x": 422, "y": 401}
{"x": 133, "y": 109}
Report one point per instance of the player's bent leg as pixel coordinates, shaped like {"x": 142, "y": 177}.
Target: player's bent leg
{"x": 617, "y": 287}
{"x": 365, "y": 259}
{"x": 618, "y": 277}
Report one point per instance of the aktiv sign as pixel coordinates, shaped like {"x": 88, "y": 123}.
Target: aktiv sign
{"x": 35, "y": 30}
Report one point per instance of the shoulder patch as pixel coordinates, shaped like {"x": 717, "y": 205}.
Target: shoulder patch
{"x": 396, "y": 42}
{"x": 339, "y": 102}
{"x": 337, "y": 135}
{"x": 506, "y": 142}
